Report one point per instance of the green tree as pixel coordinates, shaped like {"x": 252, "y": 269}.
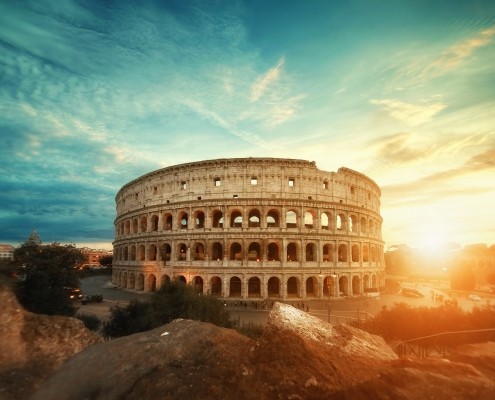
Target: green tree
{"x": 173, "y": 300}
{"x": 47, "y": 275}
{"x": 106, "y": 261}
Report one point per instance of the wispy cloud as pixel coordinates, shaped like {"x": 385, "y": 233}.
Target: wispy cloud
{"x": 267, "y": 79}
{"x": 411, "y": 114}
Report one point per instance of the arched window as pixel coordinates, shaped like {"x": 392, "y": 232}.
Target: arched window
{"x": 236, "y": 219}
{"x": 355, "y": 253}
{"x": 364, "y": 226}
{"x": 183, "y": 220}
{"x": 352, "y": 223}
{"x": 365, "y": 254}
{"x": 166, "y": 251}
{"x": 308, "y": 220}
{"x": 167, "y": 222}
{"x": 199, "y": 251}
{"x": 254, "y": 218}
{"x": 182, "y": 252}
{"x": 154, "y": 223}
{"x": 328, "y": 252}
{"x": 216, "y": 286}
{"x": 273, "y": 252}
{"x": 254, "y": 287}
{"x": 200, "y": 220}
{"x": 152, "y": 252}
{"x": 217, "y": 219}
{"x": 292, "y": 252}
{"x": 217, "y": 251}
{"x": 133, "y": 253}
{"x": 291, "y": 219}
{"x": 134, "y": 225}
{"x": 292, "y": 287}
{"x": 144, "y": 224}
{"x": 310, "y": 252}
{"x": 343, "y": 252}
{"x": 254, "y": 251}
{"x": 235, "y": 287}
{"x": 141, "y": 251}
{"x": 273, "y": 287}
{"x": 235, "y": 251}
{"x": 272, "y": 219}
{"x": 324, "y": 221}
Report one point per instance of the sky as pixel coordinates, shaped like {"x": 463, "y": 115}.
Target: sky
{"x": 94, "y": 94}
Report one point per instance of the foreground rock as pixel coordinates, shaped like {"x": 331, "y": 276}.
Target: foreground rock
{"x": 33, "y": 346}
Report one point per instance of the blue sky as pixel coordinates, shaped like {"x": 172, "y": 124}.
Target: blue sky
{"x": 96, "y": 93}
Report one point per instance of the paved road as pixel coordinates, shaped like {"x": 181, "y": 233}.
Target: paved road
{"x": 341, "y": 310}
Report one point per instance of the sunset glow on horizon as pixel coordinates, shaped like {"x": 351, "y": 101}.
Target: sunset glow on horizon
{"x": 95, "y": 94}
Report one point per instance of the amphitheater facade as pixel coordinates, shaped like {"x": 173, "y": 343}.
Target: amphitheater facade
{"x": 251, "y": 228}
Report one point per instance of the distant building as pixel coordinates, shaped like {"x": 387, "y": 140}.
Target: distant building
{"x": 6, "y": 252}
{"x": 93, "y": 256}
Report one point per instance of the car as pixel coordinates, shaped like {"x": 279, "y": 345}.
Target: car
{"x": 411, "y": 292}
{"x": 475, "y": 297}
{"x": 97, "y": 298}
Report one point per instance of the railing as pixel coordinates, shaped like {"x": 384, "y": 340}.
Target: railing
{"x": 441, "y": 344}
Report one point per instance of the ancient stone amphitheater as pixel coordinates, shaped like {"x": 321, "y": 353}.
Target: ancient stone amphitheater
{"x": 251, "y": 228}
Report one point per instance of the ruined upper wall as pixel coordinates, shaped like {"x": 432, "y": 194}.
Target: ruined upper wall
{"x": 265, "y": 178}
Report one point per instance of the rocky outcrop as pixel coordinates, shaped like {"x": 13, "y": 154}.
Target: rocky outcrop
{"x": 33, "y": 346}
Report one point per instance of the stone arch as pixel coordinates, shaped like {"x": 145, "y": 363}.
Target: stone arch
{"x": 181, "y": 278}
{"x": 325, "y": 221}
{"x": 329, "y": 286}
{"x": 199, "y": 220}
{"x": 199, "y": 251}
{"x": 254, "y": 251}
{"x": 141, "y": 252}
{"x": 236, "y": 219}
{"x": 344, "y": 285}
{"x": 293, "y": 287}
{"x": 152, "y": 283}
{"x": 291, "y": 219}
{"x": 217, "y": 251}
{"x": 164, "y": 279}
{"x": 143, "y": 225}
{"x": 132, "y": 281}
{"x": 254, "y": 220}
{"x": 154, "y": 223}
{"x": 254, "y": 287}
{"x": 235, "y": 251}
{"x": 197, "y": 284}
{"x": 126, "y": 253}
{"x": 365, "y": 253}
{"x": 353, "y": 223}
{"x": 152, "y": 252}
{"x": 273, "y": 252}
{"x": 310, "y": 252}
{"x": 342, "y": 253}
{"x": 127, "y": 227}
{"x": 355, "y": 253}
{"x": 124, "y": 280}
{"x": 216, "y": 286}
{"x": 312, "y": 287}
{"x": 328, "y": 252}
{"x": 167, "y": 222}
{"x": 166, "y": 252}
{"x": 373, "y": 253}
{"x": 272, "y": 219}
{"x": 135, "y": 225}
{"x": 140, "y": 282}
{"x": 217, "y": 219}
{"x": 366, "y": 282}
{"x": 356, "y": 285}
{"x": 309, "y": 219}
{"x": 292, "y": 251}
{"x": 273, "y": 287}
{"x": 340, "y": 222}
{"x": 235, "y": 287}
{"x": 133, "y": 253}
{"x": 363, "y": 225}
{"x": 182, "y": 252}
{"x": 183, "y": 220}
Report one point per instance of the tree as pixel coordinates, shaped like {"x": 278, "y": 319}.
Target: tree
{"x": 48, "y": 275}
{"x": 106, "y": 261}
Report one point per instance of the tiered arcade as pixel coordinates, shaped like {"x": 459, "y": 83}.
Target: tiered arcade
{"x": 251, "y": 228}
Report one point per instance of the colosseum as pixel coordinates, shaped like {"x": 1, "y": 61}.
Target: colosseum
{"x": 251, "y": 228}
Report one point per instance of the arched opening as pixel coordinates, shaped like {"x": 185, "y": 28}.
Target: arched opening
{"x": 133, "y": 253}
{"x": 182, "y": 252}
{"x": 272, "y": 219}
{"x": 217, "y": 219}
{"x": 254, "y": 251}
{"x": 371, "y": 227}
{"x": 236, "y": 219}
{"x": 291, "y": 219}
{"x": 141, "y": 252}
{"x": 355, "y": 253}
{"x": 200, "y": 220}
{"x": 353, "y": 224}
{"x": 183, "y": 220}
{"x": 216, "y": 286}
{"x": 127, "y": 227}
{"x": 292, "y": 252}
{"x": 343, "y": 253}
{"x": 126, "y": 253}
{"x": 167, "y": 222}
{"x": 308, "y": 220}
{"x": 235, "y": 252}
{"x": 140, "y": 282}
{"x": 373, "y": 254}
{"x": 365, "y": 254}
{"x": 132, "y": 281}
{"x": 166, "y": 251}
{"x": 197, "y": 284}
{"x": 344, "y": 286}
{"x": 273, "y": 252}
{"x": 292, "y": 287}
{"x": 124, "y": 280}
{"x": 311, "y": 287}
{"x": 154, "y": 223}
{"x": 152, "y": 252}
{"x": 329, "y": 286}
{"x": 273, "y": 287}
{"x": 144, "y": 224}
{"x": 340, "y": 222}
{"x": 356, "y": 285}
{"x": 310, "y": 252}
{"x": 135, "y": 225}
{"x": 235, "y": 287}
{"x": 199, "y": 251}
{"x": 366, "y": 282}
{"x": 254, "y": 219}
{"x": 164, "y": 279}
{"x": 254, "y": 287}
{"x": 363, "y": 225}
{"x": 152, "y": 283}
{"x": 324, "y": 221}
{"x": 181, "y": 278}
{"x": 328, "y": 252}
{"x": 216, "y": 251}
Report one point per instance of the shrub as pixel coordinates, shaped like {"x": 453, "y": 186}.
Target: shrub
{"x": 92, "y": 322}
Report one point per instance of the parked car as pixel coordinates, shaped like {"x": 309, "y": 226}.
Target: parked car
{"x": 97, "y": 298}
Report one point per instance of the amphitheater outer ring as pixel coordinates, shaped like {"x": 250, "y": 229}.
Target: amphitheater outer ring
{"x": 287, "y": 230}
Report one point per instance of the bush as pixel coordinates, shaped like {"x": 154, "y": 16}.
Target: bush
{"x": 92, "y": 322}
{"x": 174, "y": 300}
